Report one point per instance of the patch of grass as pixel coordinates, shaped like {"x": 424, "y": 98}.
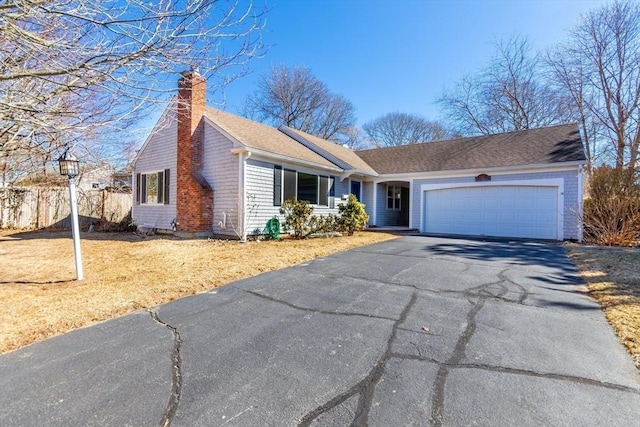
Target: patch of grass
{"x": 612, "y": 275}
{"x": 124, "y": 272}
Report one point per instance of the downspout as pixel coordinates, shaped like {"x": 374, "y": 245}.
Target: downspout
{"x": 243, "y": 197}
{"x": 580, "y": 203}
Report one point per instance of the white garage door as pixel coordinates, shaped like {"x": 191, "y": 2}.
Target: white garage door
{"x": 504, "y": 211}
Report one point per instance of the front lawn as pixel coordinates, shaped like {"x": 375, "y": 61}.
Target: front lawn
{"x": 612, "y": 275}
{"x": 125, "y": 272}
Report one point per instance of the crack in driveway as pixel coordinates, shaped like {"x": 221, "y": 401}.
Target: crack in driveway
{"x": 176, "y": 373}
{"x": 523, "y": 372}
{"x": 366, "y": 387}
{"x": 549, "y": 375}
{"x": 482, "y": 290}
{"x": 437, "y": 402}
{"x": 314, "y": 310}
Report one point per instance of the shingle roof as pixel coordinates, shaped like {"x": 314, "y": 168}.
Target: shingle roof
{"x": 528, "y": 147}
{"x": 262, "y": 137}
{"x": 344, "y": 155}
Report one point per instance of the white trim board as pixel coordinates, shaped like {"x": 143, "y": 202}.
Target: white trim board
{"x": 464, "y": 173}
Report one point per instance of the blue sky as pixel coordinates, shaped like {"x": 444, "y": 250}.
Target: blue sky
{"x": 399, "y": 55}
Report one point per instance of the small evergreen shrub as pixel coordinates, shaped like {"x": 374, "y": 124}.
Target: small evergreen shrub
{"x": 297, "y": 217}
{"x": 324, "y": 223}
{"x": 352, "y": 216}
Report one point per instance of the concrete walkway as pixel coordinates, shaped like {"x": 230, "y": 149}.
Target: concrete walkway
{"x": 414, "y": 331}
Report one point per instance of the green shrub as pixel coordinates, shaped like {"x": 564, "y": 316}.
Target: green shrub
{"x": 297, "y": 217}
{"x": 612, "y": 211}
{"x": 324, "y": 223}
{"x": 352, "y": 216}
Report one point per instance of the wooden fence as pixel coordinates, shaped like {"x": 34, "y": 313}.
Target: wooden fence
{"x": 32, "y": 207}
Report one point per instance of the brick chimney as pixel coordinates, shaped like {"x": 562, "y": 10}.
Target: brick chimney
{"x": 194, "y": 201}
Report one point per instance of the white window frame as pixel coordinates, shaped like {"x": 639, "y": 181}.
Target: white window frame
{"x": 142, "y": 193}
{"x": 330, "y": 181}
{"x": 398, "y": 199}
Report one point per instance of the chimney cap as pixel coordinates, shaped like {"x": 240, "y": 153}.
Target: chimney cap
{"x": 194, "y": 71}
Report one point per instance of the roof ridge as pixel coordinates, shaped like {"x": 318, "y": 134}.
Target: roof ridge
{"x": 549, "y": 145}
{"x": 466, "y": 138}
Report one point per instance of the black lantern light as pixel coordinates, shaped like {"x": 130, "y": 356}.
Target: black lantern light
{"x": 69, "y": 165}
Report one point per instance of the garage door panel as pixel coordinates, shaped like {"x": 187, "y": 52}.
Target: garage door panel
{"x": 506, "y": 211}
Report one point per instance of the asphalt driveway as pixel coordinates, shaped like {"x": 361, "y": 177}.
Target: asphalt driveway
{"x": 414, "y": 331}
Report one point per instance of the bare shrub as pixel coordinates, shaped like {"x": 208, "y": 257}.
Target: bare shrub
{"x": 612, "y": 211}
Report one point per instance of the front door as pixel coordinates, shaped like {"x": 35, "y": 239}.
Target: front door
{"x": 355, "y": 189}
{"x": 404, "y": 207}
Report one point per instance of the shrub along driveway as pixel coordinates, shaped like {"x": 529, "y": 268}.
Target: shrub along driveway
{"x": 415, "y": 330}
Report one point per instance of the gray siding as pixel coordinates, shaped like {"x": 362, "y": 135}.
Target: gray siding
{"x": 159, "y": 153}
{"x": 384, "y": 216}
{"x": 220, "y": 168}
{"x": 342, "y": 188}
{"x": 571, "y": 197}
{"x": 367, "y": 199}
{"x": 259, "y": 182}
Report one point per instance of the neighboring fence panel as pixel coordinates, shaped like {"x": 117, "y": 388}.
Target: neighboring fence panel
{"x": 25, "y": 207}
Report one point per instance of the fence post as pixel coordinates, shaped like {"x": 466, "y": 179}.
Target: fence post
{"x": 38, "y": 209}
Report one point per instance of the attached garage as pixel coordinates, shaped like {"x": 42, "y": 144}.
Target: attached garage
{"x": 498, "y": 209}
{"x": 526, "y": 184}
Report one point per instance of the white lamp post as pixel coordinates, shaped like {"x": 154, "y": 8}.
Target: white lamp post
{"x": 70, "y": 167}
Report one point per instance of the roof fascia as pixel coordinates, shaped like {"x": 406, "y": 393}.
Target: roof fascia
{"x": 313, "y": 147}
{"x": 280, "y": 158}
{"x": 545, "y": 167}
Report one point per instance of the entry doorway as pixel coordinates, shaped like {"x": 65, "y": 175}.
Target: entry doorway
{"x": 356, "y": 187}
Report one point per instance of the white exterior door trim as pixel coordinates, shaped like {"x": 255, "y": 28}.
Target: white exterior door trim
{"x": 557, "y": 182}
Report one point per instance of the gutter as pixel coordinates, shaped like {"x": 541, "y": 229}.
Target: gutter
{"x": 488, "y": 170}
{"x": 287, "y": 159}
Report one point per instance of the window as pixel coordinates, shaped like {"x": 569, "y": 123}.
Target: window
{"x": 393, "y": 197}
{"x": 308, "y": 188}
{"x": 292, "y": 185}
{"x": 152, "y": 188}
{"x": 324, "y": 191}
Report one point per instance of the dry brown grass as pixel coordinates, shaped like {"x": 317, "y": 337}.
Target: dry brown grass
{"x": 612, "y": 275}
{"x": 125, "y": 272}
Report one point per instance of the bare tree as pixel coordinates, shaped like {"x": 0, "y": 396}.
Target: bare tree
{"x": 355, "y": 138}
{"x": 76, "y": 73}
{"x": 509, "y": 94}
{"x": 600, "y": 68}
{"x": 402, "y": 128}
{"x": 296, "y": 98}
{"x": 569, "y": 76}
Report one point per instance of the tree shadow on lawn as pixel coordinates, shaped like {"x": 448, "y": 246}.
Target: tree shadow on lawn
{"x": 60, "y": 233}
